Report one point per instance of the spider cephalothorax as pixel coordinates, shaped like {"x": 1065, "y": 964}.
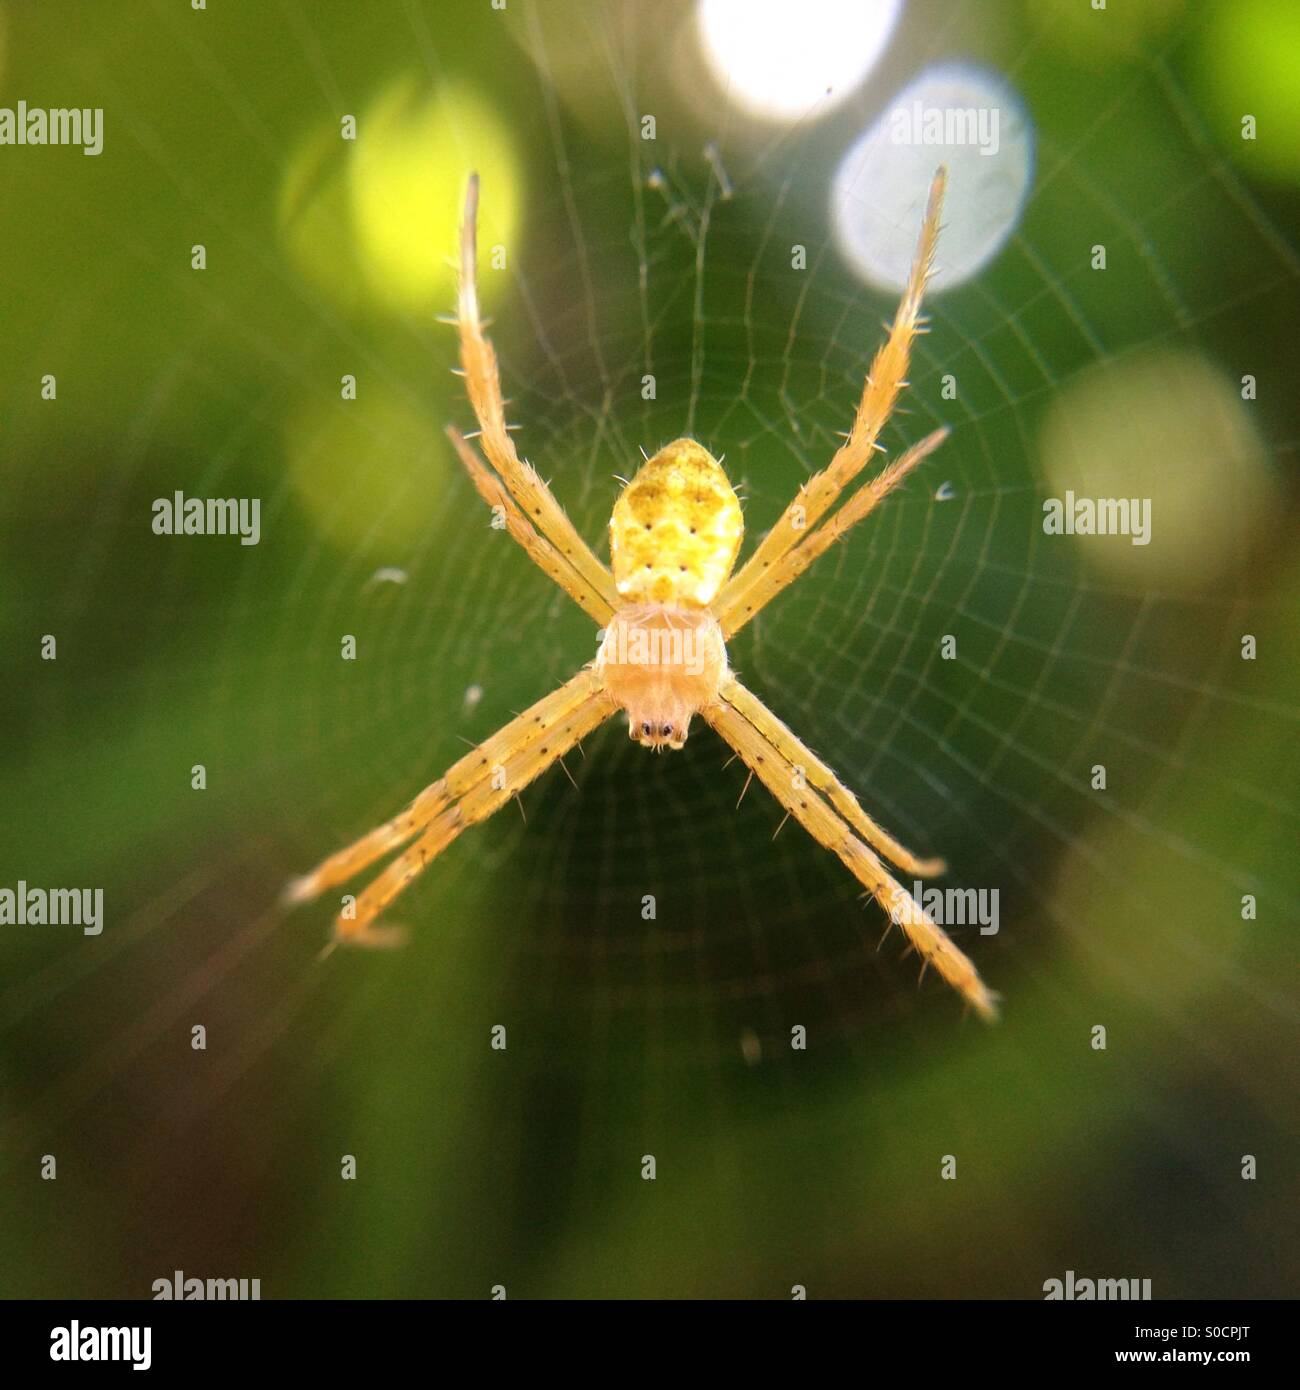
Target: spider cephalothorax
{"x": 673, "y": 540}
{"x": 666, "y": 611}
{"x": 662, "y": 664}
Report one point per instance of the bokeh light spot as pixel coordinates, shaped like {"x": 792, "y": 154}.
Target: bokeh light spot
{"x": 315, "y": 221}
{"x": 374, "y": 222}
{"x": 407, "y": 184}
{"x": 780, "y": 61}
{"x": 1170, "y": 427}
{"x": 1100, "y": 37}
{"x": 368, "y": 472}
{"x": 1250, "y": 58}
{"x": 1181, "y": 946}
{"x": 962, "y": 117}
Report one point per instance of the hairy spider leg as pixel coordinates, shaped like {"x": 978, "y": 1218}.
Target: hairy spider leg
{"x": 483, "y": 386}
{"x": 831, "y": 830}
{"x": 884, "y": 381}
{"x": 462, "y": 777}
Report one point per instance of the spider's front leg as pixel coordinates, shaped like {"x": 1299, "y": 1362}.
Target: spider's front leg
{"x": 469, "y": 791}
{"x": 478, "y": 362}
{"x": 749, "y": 602}
{"x": 750, "y": 587}
{"x": 538, "y": 549}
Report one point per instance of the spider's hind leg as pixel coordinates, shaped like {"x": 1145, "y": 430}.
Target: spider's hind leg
{"x": 439, "y": 806}
{"x": 828, "y": 828}
{"x": 488, "y": 795}
{"x": 799, "y": 756}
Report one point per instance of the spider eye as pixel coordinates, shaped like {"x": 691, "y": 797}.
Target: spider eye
{"x": 668, "y": 728}
{"x": 645, "y": 728}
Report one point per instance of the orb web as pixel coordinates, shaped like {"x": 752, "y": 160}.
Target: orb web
{"x": 652, "y": 290}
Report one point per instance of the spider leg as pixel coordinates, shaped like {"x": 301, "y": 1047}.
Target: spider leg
{"x": 476, "y": 766}
{"x": 828, "y": 828}
{"x": 798, "y": 755}
{"x": 488, "y": 794}
{"x": 542, "y": 553}
{"x": 884, "y": 381}
{"x": 783, "y": 572}
{"x": 483, "y": 385}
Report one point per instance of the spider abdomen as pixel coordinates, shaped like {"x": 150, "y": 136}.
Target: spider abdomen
{"x": 675, "y": 529}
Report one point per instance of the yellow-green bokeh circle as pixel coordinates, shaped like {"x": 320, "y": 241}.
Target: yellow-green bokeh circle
{"x": 373, "y": 222}
{"x": 368, "y": 472}
{"x": 1250, "y": 66}
{"x": 406, "y": 186}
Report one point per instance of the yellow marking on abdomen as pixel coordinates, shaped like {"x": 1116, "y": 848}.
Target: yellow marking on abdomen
{"x": 675, "y": 529}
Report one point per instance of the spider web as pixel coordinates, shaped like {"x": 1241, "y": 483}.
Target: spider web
{"x": 671, "y": 258}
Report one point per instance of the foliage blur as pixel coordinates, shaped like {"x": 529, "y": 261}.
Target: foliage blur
{"x": 630, "y": 1037}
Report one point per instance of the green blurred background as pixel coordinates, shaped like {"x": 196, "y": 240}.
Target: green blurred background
{"x": 776, "y": 1167}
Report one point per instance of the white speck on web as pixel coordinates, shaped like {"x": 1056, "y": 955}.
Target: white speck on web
{"x": 390, "y": 574}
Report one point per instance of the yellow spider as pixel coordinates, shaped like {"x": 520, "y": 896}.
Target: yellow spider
{"x": 667, "y": 609}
